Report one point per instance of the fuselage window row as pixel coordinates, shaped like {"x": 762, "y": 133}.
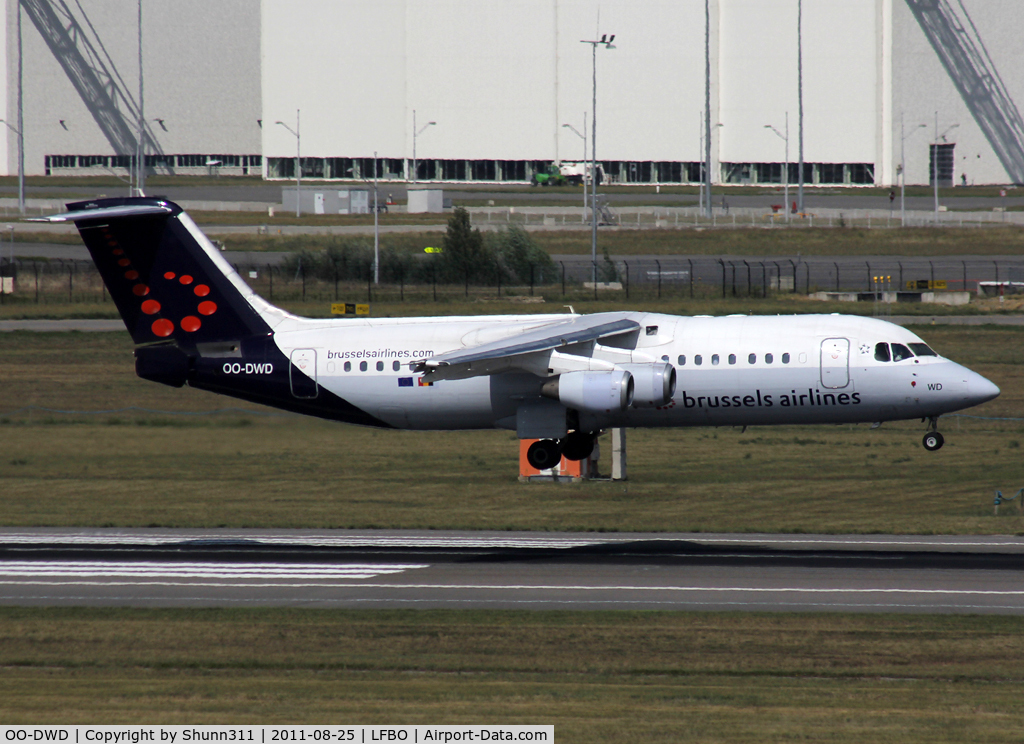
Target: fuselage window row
{"x": 698, "y": 359}
{"x": 395, "y": 365}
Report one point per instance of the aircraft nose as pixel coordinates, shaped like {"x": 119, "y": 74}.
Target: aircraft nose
{"x": 980, "y": 389}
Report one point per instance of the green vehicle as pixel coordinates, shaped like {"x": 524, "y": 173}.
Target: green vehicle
{"x": 555, "y": 175}
{"x": 552, "y": 176}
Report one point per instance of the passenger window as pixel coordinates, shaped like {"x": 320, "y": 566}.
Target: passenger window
{"x": 732, "y": 359}
{"x": 348, "y": 366}
{"x": 714, "y": 358}
{"x": 396, "y": 365}
{"x": 923, "y": 350}
{"x": 900, "y": 352}
{"x": 362, "y": 366}
{"x": 752, "y": 359}
{"x": 698, "y": 359}
{"x": 785, "y": 358}
{"x": 768, "y": 359}
{"x": 882, "y": 353}
{"x": 380, "y": 366}
{"x": 682, "y": 360}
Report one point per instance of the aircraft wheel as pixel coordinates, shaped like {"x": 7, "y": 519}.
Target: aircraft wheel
{"x": 933, "y": 441}
{"x": 544, "y": 454}
{"x": 578, "y": 445}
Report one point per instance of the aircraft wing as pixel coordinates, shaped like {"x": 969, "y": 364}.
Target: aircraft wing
{"x": 524, "y": 351}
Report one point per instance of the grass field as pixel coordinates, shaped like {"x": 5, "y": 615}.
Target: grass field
{"x": 255, "y": 467}
{"x": 597, "y": 677}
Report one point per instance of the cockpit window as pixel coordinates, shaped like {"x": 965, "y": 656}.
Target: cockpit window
{"x": 923, "y": 350}
{"x": 900, "y": 352}
{"x": 882, "y": 353}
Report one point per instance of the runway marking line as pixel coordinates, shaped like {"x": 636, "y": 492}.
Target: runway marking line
{"x": 540, "y": 587}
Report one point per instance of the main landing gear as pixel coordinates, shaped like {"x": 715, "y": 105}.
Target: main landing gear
{"x": 545, "y": 453}
{"x": 933, "y": 440}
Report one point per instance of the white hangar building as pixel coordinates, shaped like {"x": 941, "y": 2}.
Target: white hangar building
{"x": 483, "y": 91}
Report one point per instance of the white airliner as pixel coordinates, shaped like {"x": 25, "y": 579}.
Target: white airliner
{"x": 560, "y": 379}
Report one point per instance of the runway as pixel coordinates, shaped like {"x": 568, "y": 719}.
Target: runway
{"x": 510, "y": 570}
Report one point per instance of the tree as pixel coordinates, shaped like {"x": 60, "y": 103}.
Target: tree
{"x": 521, "y": 258}
{"x": 464, "y": 257}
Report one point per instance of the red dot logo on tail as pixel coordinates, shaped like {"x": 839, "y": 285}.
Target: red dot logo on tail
{"x": 162, "y": 327}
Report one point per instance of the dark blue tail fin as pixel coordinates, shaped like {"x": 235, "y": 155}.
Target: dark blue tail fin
{"x": 168, "y": 281}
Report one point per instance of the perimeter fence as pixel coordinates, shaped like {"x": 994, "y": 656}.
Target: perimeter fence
{"x": 68, "y": 281}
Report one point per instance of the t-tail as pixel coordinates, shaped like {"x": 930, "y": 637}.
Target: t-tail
{"x": 193, "y": 319}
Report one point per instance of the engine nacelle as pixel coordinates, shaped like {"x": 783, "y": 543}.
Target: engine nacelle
{"x": 599, "y": 392}
{"x": 654, "y": 384}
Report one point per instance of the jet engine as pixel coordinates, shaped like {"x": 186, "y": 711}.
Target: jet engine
{"x": 654, "y": 384}
{"x": 599, "y": 392}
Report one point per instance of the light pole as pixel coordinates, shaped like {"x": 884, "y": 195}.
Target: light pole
{"x": 140, "y": 154}
{"x": 705, "y": 182}
{"x": 21, "y": 163}
{"x": 606, "y": 42}
{"x": 903, "y": 169}
{"x": 20, "y": 131}
{"x": 935, "y": 159}
{"x": 298, "y": 161}
{"x": 416, "y": 133}
{"x": 584, "y": 138}
{"x": 376, "y": 229}
{"x": 800, "y": 97}
{"x": 707, "y": 109}
{"x": 785, "y": 175}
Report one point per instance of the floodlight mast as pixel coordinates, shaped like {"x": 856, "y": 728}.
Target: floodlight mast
{"x": 606, "y": 42}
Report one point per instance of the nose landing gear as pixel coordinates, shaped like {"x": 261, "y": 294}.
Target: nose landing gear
{"x": 933, "y": 440}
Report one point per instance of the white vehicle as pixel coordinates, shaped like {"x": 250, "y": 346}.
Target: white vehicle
{"x": 560, "y": 379}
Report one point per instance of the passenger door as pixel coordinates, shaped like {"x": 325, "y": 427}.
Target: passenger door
{"x": 835, "y": 362}
{"x": 302, "y": 373}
